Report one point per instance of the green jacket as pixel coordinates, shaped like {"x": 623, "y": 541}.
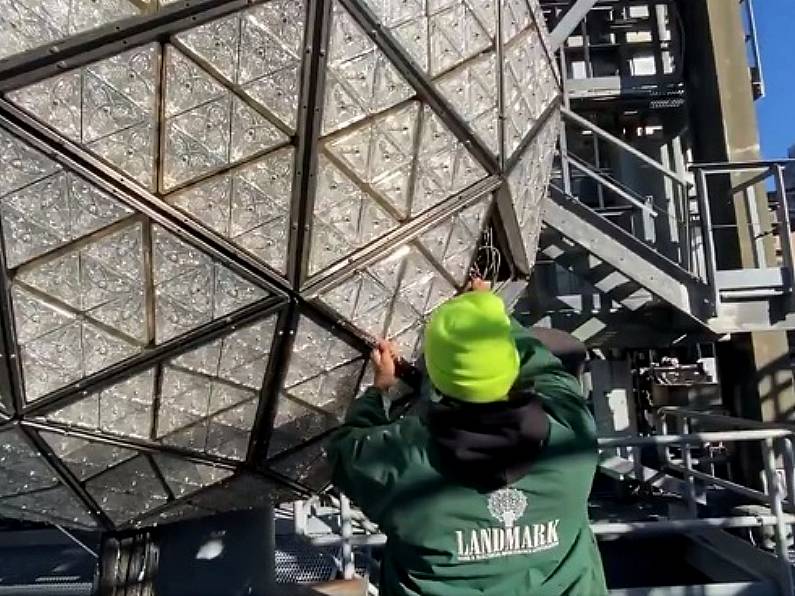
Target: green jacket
{"x": 450, "y": 537}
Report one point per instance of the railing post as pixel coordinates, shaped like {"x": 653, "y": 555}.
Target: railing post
{"x": 777, "y": 510}
{"x": 788, "y": 458}
{"x": 708, "y": 241}
{"x": 782, "y": 215}
{"x": 299, "y": 518}
{"x": 692, "y": 506}
{"x": 346, "y": 530}
{"x": 662, "y": 429}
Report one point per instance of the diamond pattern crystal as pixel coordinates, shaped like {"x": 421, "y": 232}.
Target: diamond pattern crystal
{"x": 360, "y": 79}
{"x": 250, "y": 206}
{"x": 528, "y": 183}
{"x": 346, "y": 217}
{"x": 110, "y": 107}
{"x": 191, "y": 289}
{"x": 258, "y": 49}
{"x": 209, "y": 395}
{"x": 28, "y": 24}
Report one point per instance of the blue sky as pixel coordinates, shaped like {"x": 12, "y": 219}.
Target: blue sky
{"x": 775, "y": 20}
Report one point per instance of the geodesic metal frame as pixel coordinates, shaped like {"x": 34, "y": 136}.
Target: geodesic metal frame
{"x": 302, "y": 312}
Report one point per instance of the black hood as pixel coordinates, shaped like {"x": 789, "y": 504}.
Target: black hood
{"x": 488, "y": 446}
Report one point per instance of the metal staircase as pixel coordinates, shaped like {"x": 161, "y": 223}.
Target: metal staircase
{"x": 667, "y": 266}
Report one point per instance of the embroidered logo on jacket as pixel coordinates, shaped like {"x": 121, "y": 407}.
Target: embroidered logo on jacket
{"x": 507, "y": 506}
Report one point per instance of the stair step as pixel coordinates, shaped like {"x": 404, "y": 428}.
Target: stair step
{"x": 623, "y": 253}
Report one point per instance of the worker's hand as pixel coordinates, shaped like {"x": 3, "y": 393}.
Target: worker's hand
{"x": 384, "y": 358}
{"x": 479, "y": 285}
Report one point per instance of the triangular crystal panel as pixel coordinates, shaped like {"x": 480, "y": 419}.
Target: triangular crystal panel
{"x": 249, "y": 206}
{"x": 528, "y": 183}
{"x": 380, "y": 153}
{"x": 346, "y": 217}
{"x": 191, "y": 289}
{"x": 260, "y": 50}
{"x": 207, "y": 127}
{"x": 50, "y": 212}
{"x": 209, "y": 395}
{"x": 107, "y": 106}
{"x": 360, "y": 78}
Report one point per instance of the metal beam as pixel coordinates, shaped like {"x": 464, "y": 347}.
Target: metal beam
{"x": 570, "y": 21}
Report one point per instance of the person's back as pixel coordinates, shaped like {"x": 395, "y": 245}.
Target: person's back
{"x": 478, "y": 495}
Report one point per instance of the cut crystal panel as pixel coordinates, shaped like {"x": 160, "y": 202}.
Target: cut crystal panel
{"x": 20, "y": 164}
{"x": 28, "y": 24}
{"x": 127, "y": 490}
{"x": 516, "y": 17}
{"x": 48, "y": 212}
{"x": 470, "y": 90}
{"x": 314, "y": 406}
{"x": 345, "y": 217}
{"x": 398, "y": 292}
{"x": 442, "y": 36}
{"x": 259, "y": 49}
{"x": 22, "y": 468}
{"x": 124, "y": 408}
{"x": 456, "y": 34}
{"x": 185, "y": 478}
{"x": 453, "y": 241}
{"x": 307, "y": 466}
{"x": 249, "y": 206}
{"x": 207, "y": 126}
{"x": 444, "y": 166}
{"x": 529, "y": 84}
{"x": 316, "y": 350}
{"x": 85, "y": 459}
{"x": 360, "y": 79}
{"x": 380, "y": 153}
{"x": 191, "y": 289}
{"x": 91, "y": 300}
{"x": 528, "y": 183}
{"x": 108, "y": 106}
{"x": 50, "y": 505}
{"x": 210, "y": 394}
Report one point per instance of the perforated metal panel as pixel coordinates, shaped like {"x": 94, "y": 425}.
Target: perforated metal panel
{"x": 209, "y": 208}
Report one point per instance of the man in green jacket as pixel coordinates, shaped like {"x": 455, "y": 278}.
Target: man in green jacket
{"x": 486, "y": 492}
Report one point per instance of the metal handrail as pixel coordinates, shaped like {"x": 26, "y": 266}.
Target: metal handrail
{"x": 732, "y": 421}
{"x": 753, "y": 431}
{"x": 778, "y": 435}
{"x": 585, "y": 123}
{"x": 582, "y": 166}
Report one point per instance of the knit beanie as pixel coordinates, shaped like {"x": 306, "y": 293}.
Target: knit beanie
{"x": 470, "y": 353}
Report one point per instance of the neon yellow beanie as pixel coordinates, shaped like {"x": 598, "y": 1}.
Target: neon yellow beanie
{"x": 469, "y": 351}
